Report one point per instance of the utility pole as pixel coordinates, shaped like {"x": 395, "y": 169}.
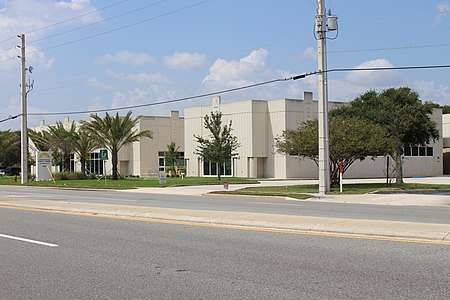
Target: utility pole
{"x": 24, "y": 134}
{"x": 323, "y": 24}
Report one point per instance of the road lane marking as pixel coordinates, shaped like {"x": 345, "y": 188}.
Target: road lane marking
{"x": 27, "y": 240}
{"x": 237, "y": 227}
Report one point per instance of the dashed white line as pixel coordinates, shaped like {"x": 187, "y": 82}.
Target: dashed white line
{"x": 27, "y": 240}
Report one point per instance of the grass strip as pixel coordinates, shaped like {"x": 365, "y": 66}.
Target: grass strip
{"x": 308, "y": 191}
{"x": 127, "y": 183}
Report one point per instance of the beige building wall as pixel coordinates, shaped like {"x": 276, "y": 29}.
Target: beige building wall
{"x": 165, "y": 130}
{"x": 141, "y": 158}
{"x": 257, "y": 123}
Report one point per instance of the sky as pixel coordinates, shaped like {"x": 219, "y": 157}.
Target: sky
{"x": 97, "y": 54}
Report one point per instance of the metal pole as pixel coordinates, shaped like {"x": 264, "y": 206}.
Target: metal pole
{"x": 24, "y": 134}
{"x": 324, "y": 166}
{"x": 387, "y": 170}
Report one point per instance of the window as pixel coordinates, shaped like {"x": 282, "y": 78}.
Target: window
{"x": 163, "y": 164}
{"x": 210, "y": 169}
{"x": 419, "y": 151}
{"x": 422, "y": 151}
{"x": 95, "y": 165}
{"x": 72, "y": 162}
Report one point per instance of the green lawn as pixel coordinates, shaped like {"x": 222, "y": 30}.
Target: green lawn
{"x": 295, "y": 191}
{"x": 306, "y": 191}
{"x": 128, "y": 183}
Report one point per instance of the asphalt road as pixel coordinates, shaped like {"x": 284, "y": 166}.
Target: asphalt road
{"x": 423, "y": 214}
{"x": 97, "y": 258}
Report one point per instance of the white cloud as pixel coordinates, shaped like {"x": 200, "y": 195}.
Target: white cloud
{"x": 371, "y": 79}
{"x": 309, "y": 54}
{"x": 236, "y": 73}
{"x": 154, "y": 78}
{"x": 442, "y": 9}
{"x": 28, "y": 15}
{"x": 74, "y": 4}
{"x": 184, "y": 60}
{"x": 126, "y": 57}
{"x": 18, "y": 16}
{"x": 430, "y": 91}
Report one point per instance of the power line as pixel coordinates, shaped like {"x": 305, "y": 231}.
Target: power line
{"x": 390, "y": 48}
{"x": 397, "y": 19}
{"x": 9, "y": 118}
{"x": 387, "y": 68}
{"x": 67, "y": 20}
{"x": 295, "y": 77}
{"x": 98, "y": 22}
{"x": 77, "y": 17}
{"x": 122, "y": 27}
{"x": 87, "y": 82}
{"x": 162, "y": 102}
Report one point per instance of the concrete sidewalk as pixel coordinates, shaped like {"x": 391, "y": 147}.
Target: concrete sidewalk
{"x": 411, "y": 198}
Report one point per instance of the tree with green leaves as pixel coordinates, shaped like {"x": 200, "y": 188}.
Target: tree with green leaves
{"x": 401, "y": 113}
{"x": 61, "y": 140}
{"x": 172, "y": 154}
{"x": 57, "y": 138}
{"x": 40, "y": 139}
{"x": 83, "y": 144}
{"x": 9, "y": 148}
{"x": 350, "y": 139}
{"x": 221, "y": 145}
{"x": 114, "y": 132}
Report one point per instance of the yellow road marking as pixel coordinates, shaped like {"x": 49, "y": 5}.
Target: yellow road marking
{"x": 234, "y": 227}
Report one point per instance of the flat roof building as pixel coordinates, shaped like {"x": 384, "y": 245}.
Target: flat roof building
{"x": 256, "y": 124}
{"x": 140, "y": 158}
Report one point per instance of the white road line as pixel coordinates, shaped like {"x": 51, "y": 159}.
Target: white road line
{"x": 27, "y": 240}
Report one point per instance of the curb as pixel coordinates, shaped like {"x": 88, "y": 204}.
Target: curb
{"x": 257, "y": 221}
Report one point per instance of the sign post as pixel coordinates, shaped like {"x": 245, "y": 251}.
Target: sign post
{"x": 43, "y": 165}
{"x": 340, "y": 176}
{"x": 162, "y": 177}
{"x": 104, "y": 158}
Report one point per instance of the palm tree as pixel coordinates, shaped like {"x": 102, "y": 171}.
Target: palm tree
{"x": 114, "y": 132}
{"x": 172, "y": 155}
{"x": 62, "y": 139}
{"x": 9, "y": 148}
{"x": 41, "y": 139}
{"x": 83, "y": 144}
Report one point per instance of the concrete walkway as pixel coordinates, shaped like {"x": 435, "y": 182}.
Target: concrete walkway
{"x": 419, "y": 198}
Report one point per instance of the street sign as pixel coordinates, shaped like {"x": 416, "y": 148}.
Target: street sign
{"x": 103, "y": 154}
{"x": 162, "y": 177}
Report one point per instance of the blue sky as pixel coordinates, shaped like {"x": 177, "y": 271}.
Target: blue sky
{"x": 90, "y": 54}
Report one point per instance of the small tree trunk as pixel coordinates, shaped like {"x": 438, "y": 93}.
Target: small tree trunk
{"x": 66, "y": 162}
{"x": 218, "y": 170}
{"x": 398, "y": 166}
{"x": 83, "y": 166}
{"x": 114, "y": 164}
